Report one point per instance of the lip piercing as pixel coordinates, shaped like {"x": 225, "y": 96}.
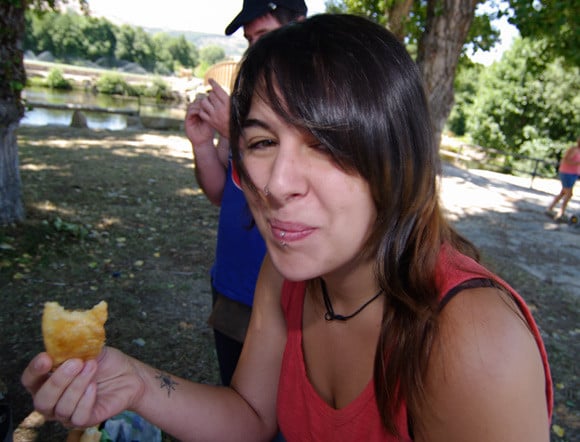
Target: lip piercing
{"x": 283, "y": 234}
{"x": 266, "y": 190}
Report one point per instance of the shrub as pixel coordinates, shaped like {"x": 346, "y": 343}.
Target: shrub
{"x": 55, "y": 80}
{"x": 158, "y": 89}
{"x": 114, "y": 84}
{"x": 201, "y": 69}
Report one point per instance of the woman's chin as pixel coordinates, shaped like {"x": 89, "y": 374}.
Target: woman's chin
{"x": 290, "y": 265}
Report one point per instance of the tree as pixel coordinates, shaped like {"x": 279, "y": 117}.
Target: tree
{"x": 99, "y": 37}
{"x": 164, "y": 63}
{"x": 134, "y": 44}
{"x": 556, "y": 22}
{"x": 437, "y": 31}
{"x": 12, "y": 81}
{"x": 466, "y": 87}
{"x": 183, "y": 52}
{"x": 71, "y": 37}
{"x": 446, "y": 29}
{"x": 527, "y": 103}
{"x": 212, "y": 54}
{"x": 67, "y": 37}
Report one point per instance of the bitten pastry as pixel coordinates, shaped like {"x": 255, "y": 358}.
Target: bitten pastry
{"x": 73, "y": 333}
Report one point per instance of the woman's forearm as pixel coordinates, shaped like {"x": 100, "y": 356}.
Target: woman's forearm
{"x": 197, "y": 412}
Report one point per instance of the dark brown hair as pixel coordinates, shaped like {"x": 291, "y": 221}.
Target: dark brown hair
{"x": 352, "y": 85}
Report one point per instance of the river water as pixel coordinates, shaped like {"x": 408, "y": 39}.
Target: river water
{"x": 95, "y": 120}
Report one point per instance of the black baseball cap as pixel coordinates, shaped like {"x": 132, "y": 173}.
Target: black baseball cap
{"x": 252, "y": 9}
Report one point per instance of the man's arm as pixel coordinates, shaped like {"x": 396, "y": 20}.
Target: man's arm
{"x": 210, "y": 161}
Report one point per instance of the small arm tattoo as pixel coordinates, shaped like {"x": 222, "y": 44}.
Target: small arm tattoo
{"x": 166, "y": 382}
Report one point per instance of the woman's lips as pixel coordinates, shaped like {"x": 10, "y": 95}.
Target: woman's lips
{"x": 286, "y": 232}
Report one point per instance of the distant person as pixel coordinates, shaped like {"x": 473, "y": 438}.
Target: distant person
{"x": 569, "y": 170}
{"x": 240, "y": 248}
{"x": 373, "y": 319}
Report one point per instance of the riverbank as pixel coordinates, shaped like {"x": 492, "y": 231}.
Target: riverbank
{"x": 84, "y": 77}
{"x": 47, "y": 107}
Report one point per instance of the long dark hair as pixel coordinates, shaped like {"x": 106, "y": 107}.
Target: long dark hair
{"x": 355, "y": 88}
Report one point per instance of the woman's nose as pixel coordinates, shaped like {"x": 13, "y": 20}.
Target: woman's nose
{"x": 288, "y": 174}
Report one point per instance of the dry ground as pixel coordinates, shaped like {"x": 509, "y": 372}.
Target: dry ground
{"x": 118, "y": 216}
{"x": 115, "y": 216}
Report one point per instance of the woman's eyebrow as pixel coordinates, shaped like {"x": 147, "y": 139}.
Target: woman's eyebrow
{"x": 254, "y": 122}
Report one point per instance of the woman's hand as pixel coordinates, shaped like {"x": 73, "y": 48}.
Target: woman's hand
{"x": 81, "y": 393}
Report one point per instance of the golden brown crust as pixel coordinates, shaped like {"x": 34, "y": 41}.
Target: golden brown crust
{"x": 73, "y": 334}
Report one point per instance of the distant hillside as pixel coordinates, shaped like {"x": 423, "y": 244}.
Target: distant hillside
{"x": 233, "y": 46}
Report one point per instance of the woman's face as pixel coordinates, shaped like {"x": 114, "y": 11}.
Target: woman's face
{"x": 314, "y": 216}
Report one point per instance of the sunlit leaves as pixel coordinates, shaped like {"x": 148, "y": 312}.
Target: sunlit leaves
{"x": 526, "y": 103}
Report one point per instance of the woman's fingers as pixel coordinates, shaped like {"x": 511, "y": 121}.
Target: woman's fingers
{"x": 71, "y": 397}
{"x": 84, "y": 411}
{"x": 48, "y": 396}
{"x": 36, "y": 372}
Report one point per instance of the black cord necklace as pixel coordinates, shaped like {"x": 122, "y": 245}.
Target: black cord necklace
{"x": 330, "y": 315}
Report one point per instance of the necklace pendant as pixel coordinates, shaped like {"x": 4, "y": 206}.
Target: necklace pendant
{"x": 331, "y": 316}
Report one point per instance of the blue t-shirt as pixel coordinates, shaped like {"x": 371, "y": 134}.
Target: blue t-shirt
{"x": 240, "y": 248}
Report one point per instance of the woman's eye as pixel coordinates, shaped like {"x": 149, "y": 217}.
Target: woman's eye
{"x": 261, "y": 144}
{"x": 320, "y": 148}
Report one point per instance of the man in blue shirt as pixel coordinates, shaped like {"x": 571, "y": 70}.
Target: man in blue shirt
{"x": 240, "y": 248}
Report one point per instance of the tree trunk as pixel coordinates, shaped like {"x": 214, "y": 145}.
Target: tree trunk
{"x": 447, "y": 25}
{"x": 397, "y": 15}
{"x": 12, "y": 81}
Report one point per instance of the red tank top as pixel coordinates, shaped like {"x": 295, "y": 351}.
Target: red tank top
{"x": 304, "y": 416}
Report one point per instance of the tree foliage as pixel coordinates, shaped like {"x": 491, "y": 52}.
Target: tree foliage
{"x": 466, "y": 87}
{"x": 212, "y": 54}
{"x": 436, "y": 32}
{"x": 526, "y": 103}
{"x": 482, "y": 35}
{"x": 557, "y": 22}
{"x": 72, "y": 36}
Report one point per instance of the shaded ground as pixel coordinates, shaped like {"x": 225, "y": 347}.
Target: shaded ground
{"x": 114, "y": 216}
{"x": 118, "y": 216}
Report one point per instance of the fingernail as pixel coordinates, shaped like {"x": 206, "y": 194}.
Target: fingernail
{"x": 38, "y": 364}
{"x": 72, "y": 366}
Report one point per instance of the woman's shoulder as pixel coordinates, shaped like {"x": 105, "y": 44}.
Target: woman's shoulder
{"x": 484, "y": 318}
{"x": 484, "y": 362}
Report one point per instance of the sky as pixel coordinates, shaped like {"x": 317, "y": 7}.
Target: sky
{"x": 212, "y": 16}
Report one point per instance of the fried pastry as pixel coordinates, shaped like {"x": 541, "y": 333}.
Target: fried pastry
{"x": 71, "y": 334}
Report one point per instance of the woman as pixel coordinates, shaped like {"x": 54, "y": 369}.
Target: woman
{"x": 372, "y": 318}
{"x": 569, "y": 171}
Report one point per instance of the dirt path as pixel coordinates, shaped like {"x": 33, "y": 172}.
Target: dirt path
{"x": 505, "y": 217}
